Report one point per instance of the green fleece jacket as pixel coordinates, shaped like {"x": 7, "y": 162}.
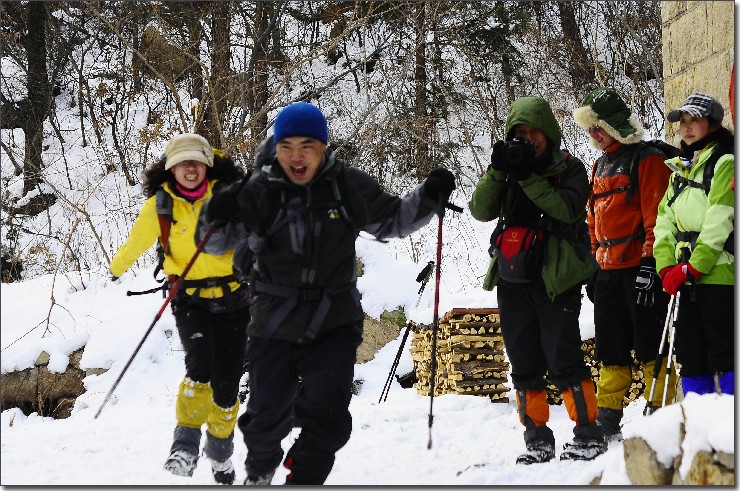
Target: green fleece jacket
{"x": 557, "y": 193}
{"x": 693, "y": 210}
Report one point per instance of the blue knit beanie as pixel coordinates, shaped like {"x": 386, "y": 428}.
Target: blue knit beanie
{"x": 301, "y": 119}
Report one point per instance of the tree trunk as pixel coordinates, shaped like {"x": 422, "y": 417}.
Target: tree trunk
{"x": 581, "y": 67}
{"x": 195, "y": 73}
{"x": 258, "y": 66}
{"x": 39, "y": 94}
{"x": 220, "y": 69}
{"x": 420, "y": 123}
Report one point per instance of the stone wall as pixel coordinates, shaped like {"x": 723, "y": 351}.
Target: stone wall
{"x": 698, "y": 52}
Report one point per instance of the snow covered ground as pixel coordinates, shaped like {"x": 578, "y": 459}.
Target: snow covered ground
{"x": 474, "y": 442}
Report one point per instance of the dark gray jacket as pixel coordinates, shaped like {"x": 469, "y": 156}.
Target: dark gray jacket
{"x": 303, "y": 239}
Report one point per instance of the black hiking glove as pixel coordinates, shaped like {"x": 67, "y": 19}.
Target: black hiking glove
{"x": 515, "y": 158}
{"x": 223, "y": 207}
{"x": 439, "y": 185}
{"x": 113, "y": 278}
{"x": 497, "y": 157}
{"x": 522, "y": 171}
{"x": 647, "y": 282}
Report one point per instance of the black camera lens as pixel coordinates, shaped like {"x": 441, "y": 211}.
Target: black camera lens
{"x": 515, "y": 154}
{"x": 518, "y": 151}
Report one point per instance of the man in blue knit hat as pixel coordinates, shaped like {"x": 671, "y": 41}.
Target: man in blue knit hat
{"x": 301, "y": 136}
{"x": 302, "y": 212}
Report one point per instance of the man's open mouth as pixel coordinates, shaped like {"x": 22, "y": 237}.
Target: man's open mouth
{"x": 299, "y": 171}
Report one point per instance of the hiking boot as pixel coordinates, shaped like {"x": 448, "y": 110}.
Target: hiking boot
{"x": 609, "y": 420}
{"x": 223, "y": 471}
{"x": 259, "y": 480}
{"x": 261, "y": 467}
{"x": 181, "y": 463}
{"x": 537, "y": 453}
{"x": 540, "y": 444}
{"x": 583, "y": 449}
{"x": 588, "y": 443}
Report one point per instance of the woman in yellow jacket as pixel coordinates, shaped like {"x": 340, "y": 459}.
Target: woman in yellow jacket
{"x": 211, "y": 308}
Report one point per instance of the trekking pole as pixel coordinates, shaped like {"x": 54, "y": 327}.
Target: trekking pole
{"x": 659, "y": 358}
{"x": 173, "y": 290}
{"x": 423, "y": 278}
{"x": 435, "y": 326}
{"x": 394, "y": 367}
{"x": 670, "y": 348}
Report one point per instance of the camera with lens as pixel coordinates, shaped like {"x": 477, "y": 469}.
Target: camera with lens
{"x": 517, "y": 151}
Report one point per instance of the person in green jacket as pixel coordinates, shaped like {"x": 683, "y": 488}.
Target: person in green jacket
{"x": 539, "y": 262}
{"x": 694, "y": 246}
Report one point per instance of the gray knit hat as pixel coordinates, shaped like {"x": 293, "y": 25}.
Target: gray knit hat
{"x": 698, "y": 105}
{"x": 603, "y": 107}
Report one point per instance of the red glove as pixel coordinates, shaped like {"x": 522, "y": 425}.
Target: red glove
{"x": 675, "y": 276}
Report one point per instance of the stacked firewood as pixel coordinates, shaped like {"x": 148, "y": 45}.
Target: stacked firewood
{"x": 638, "y": 377}
{"x": 470, "y": 356}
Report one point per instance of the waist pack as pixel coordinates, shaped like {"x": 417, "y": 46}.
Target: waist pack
{"x": 520, "y": 253}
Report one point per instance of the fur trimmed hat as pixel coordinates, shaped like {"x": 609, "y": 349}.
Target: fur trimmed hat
{"x": 188, "y": 146}
{"x": 603, "y": 107}
{"x": 301, "y": 119}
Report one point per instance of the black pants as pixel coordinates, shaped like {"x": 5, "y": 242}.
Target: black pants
{"x": 542, "y": 335}
{"x": 621, "y": 324}
{"x": 705, "y": 330}
{"x": 326, "y": 370}
{"x": 215, "y": 347}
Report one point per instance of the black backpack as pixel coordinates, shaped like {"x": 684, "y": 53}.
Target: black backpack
{"x": 244, "y": 257}
{"x": 666, "y": 149}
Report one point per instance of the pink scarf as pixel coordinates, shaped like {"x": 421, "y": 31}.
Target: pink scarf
{"x": 193, "y": 194}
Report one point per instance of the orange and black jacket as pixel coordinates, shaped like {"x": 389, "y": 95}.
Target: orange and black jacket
{"x": 621, "y": 223}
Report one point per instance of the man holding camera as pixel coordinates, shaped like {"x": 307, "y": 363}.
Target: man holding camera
{"x": 539, "y": 260}
{"x": 629, "y": 180}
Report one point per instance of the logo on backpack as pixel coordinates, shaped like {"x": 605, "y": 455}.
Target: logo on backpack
{"x": 521, "y": 253}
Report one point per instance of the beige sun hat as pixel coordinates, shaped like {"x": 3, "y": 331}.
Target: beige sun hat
{"x": 188, "y": 146}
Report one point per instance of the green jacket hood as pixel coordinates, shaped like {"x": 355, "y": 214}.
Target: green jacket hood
{"x": 535, "y": 112}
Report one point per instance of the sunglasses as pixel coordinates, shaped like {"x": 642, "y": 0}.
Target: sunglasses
{"x": 594, "y": 129}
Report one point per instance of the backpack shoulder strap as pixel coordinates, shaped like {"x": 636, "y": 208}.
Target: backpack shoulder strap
{"x": 665, "y": 148}
{"x": 336, "y": 188}
{"x": 164, "y": 215}
{"x": 710, "y": 164}
{"x": 634, "y": 168}
{"x": 680, "y": 182}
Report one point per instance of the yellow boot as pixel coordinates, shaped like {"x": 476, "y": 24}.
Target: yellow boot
{"x": 222, "y": 420}
{"x": 614, "y": 382}
{"x": 194, "y": 402}
{"x": 648, "y": 371}
{"x": 220, "y": 442}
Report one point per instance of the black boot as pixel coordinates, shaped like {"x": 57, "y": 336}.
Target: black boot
{"x": 609, "y": 420}
{"x": 261, "y": 469}
{"x": 219, "y": 451}
{"x": 588, "y": 443}
{"x": 184, "y": 451}
{"x": 540, "y": 444}
{"x": 259, "y": 479}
